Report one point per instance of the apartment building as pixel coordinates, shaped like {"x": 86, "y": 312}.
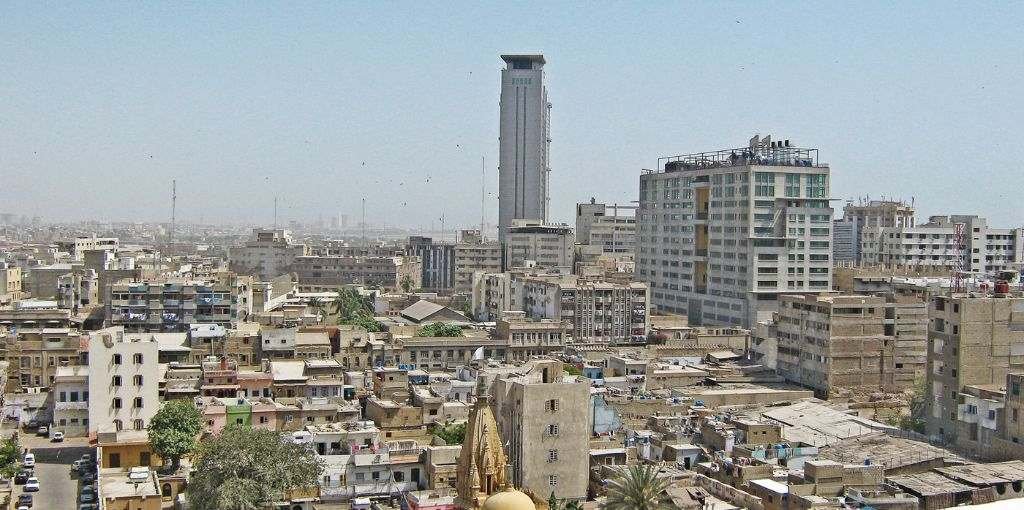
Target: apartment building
{"x": 123, "y": 380}
{"x": 722, "y": 234}
{"x": 984, "y": 250}
{"x": 869, "y": 213}
{"x": 472, "y": 255}
{"x": 70, "y": 392}
{"x": 437, "y": 262}
{"x": 170, "y": 306}
{"x": 83, "y": 244}
{"x": 837, "y": 344}
{"x": 267, "y": 254}
{"x": 593, "y": 310}
{"x": 612, "y": 228}
{"x": 10, "y": 284}
{"x": 845, "y": 246}
{"x": 972, "y": 341}
{"x": 35, "y": 355}
{"x": 491, "y": 295}
{"x": 326, "y": 274}
{"x": 535, "y": 244}
{"x": 543, "y": 420}
{"x": 527, "y": 338}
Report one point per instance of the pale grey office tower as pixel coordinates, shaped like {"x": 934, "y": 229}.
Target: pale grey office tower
{"x": 523, "y": 142}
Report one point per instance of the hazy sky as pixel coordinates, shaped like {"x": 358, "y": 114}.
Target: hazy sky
{"x": 101, "y": 105}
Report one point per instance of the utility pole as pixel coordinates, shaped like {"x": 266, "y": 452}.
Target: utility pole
{"x": 275, "y": 212}
{"x": 363, "y": 222}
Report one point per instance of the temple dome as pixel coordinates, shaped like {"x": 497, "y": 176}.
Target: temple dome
{"x": 509, "y": 499}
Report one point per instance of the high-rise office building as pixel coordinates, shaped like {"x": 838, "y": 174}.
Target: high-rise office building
{"x": 721, "y": 234}
{"x": 523, "y": 142}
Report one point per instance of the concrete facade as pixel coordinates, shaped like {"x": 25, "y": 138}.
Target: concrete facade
{"x": 123, "y": 380}
{"x": 533, "y": 244}
{"x": 932, "y": 244}
{"x": 524, "y": 139}
{"x": 721, "y": 235}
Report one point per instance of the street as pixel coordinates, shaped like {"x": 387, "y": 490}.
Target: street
{"x": 58, "y": 490}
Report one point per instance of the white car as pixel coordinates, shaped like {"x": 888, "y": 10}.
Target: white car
{"x": 30, "y": 460}
{"x": 23, "y": 507}
{"x": 58, "y": 437}
{"x": 87, "y": 497}
{"x": 32, "y": 485}
{"x": 76, "y": 464}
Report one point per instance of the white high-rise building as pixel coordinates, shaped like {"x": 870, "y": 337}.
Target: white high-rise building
{"x": 720, "y": 235}
{"x": 124, "y": 374}
{"x": 524, "y": 139}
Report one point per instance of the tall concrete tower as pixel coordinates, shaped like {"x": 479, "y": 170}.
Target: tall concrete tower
{"x": 524, "y": 139}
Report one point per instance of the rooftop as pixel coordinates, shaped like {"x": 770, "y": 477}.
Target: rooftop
{"x": 760, "y": 152}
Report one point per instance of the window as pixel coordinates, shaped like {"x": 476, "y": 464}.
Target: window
{"x": 116, "y": 359}
{"x": 141, "y": 425}
{"x": 137, "y": 358}
{"x": 165, "y": 490}
{"x": 114, "y": 459}
{"x": 552, "y": 480}
{"x": 552, "y": 455}
{"x": 1015, "y": 388}
{"x": 116, "y": 403}
{"x": 551, "y": 405}
{"x": 553, "y": 429}
{"x": 115, "y": 381}
{"x": 63, "y": 397}
{"x": 137, "y": 403}
{"x": 138, "y": 380}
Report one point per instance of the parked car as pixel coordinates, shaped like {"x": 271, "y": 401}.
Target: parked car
{"x": 87, "y": 497}
{"x": 25, "y": 500}
{"x": 87, "y": 506}
{"x": 33, "y": 424}
{"x": 76, "y": 465}
{"x": 22, "y": 476}
{"x": 58, "y": 437}
{"x": 43, "y": 430}
{"x": 32, "y": 484}
{"x": 30, "y": 460}
{"x": 87, "y": 477}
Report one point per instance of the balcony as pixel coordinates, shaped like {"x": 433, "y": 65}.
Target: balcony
{"x": 71, "y": 406}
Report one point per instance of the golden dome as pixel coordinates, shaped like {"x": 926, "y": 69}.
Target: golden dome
{"x": 509, "y": 499}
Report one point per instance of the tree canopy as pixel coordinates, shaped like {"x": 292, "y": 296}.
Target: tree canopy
{"x": 352, "y": 308}
{"x": 243, "y": 468}
{"x": 440, "y": 329}
{"x": 452, "y": 433}
{"x": 9, "y": 456}
{"x": 173, "y": 430}
{"x": 638, "y": 488}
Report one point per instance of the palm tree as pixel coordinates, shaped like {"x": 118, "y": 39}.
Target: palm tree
{"x": 638, "y": 488}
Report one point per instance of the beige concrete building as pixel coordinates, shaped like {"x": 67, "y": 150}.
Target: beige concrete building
{"x": 10, "y": 284}
{"x": 70, "y": 391}
{"x": 594, "y": 310}
{"x": 472, "y": 255}
{"x": 535, "y": 244}
{"x": 36, "y": 354}
{"x": 170, "y": 305}
{"x": 491, "y": 295}
{"x": 530, "y": 337}
{"x": 871, "y": 214}
{"x": 268, "y": 254}
{"x": 325, "y": 274}
{"x": 972, "y": 341}
{"x": 612, "y": 228}
{"x": 543, "y": 419}
{"x": 835, "y": 344}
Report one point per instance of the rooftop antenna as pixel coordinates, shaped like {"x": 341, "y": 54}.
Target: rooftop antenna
{"x": 363, "y": 222}
{"x": 483, "y": 190}
{"x": 174, "y": 207}
{"x": 275, "y": 212}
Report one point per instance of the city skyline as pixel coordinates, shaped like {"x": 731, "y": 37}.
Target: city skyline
{"x": 243, "y": 109}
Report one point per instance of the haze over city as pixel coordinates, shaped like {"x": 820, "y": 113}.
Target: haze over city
{"x": 323, "y": 104}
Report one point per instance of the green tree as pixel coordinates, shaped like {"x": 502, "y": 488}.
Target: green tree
{"x": 406, "y": 283}
{"x": 9, "y": 456}
{"x": 318, "y": 308}
{"x": 452, "y": 433}
{"x": 352, "y": 308}
{"x": 572, "y": 369}
{"x": 244, "y": 468}
{"x": 174, "y": 429}
{"x": 914, "y": 421}
{"x": 638, "y": 488}
{"x": 440, "y": 329}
